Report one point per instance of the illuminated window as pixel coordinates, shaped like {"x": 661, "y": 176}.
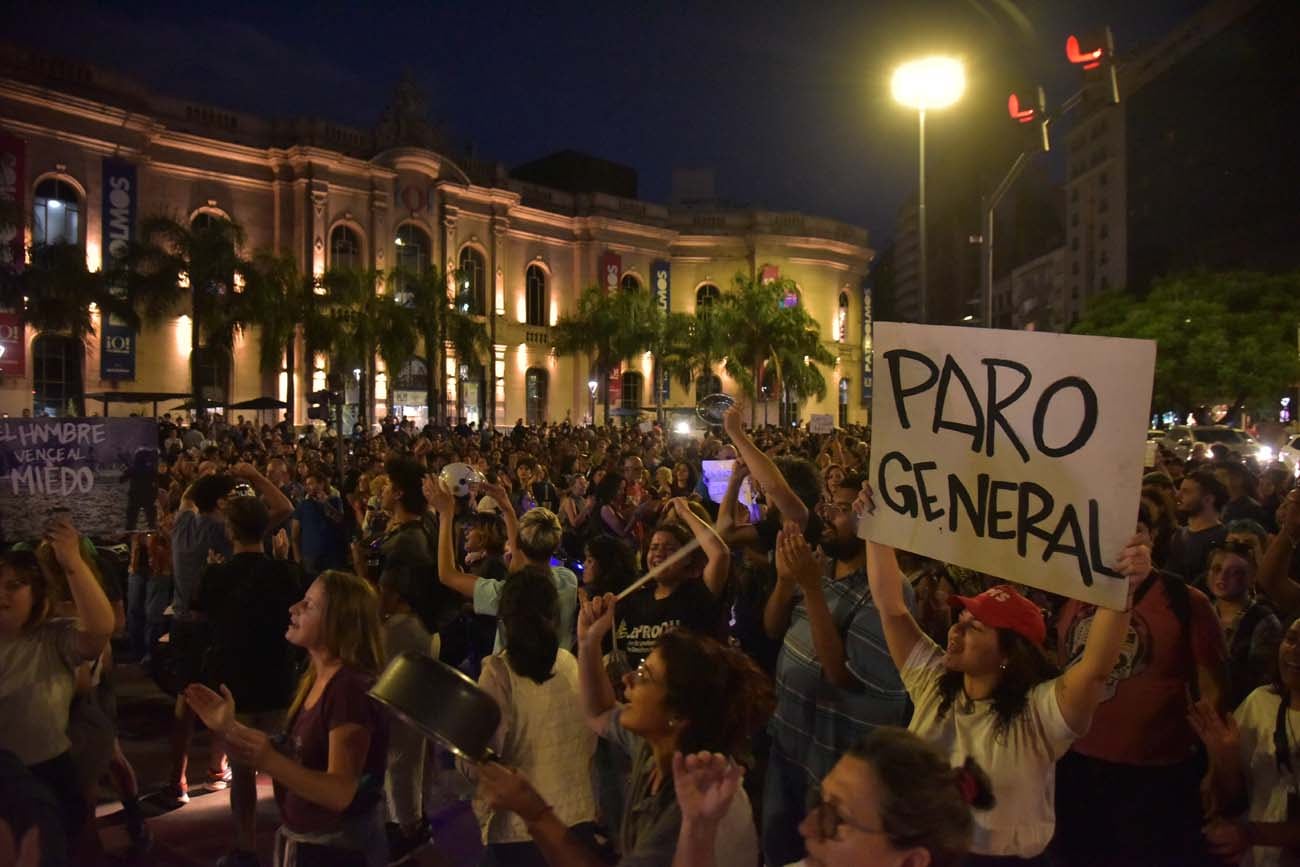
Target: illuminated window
{"x": 632, "y": 385}
{"x": 706, "y": 295}
{"x": 412, "y": 258}
{"x": 707, "y": 385}
{"x": 472, "y": 282}
{"x": 535, "y": 296}
{"x": 536, "y": 382}
{"x": 56, "y": 213}
{"x": 345, "y": 248}
{"x": 57, "y": 383}
{"x": 842, "y": 319}
{"x": 630, "y": 283}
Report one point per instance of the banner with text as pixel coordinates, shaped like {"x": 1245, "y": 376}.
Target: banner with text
{"x": 116, "y": 338}
{"x": 661, "y": 280}
{"x": 1014, "y": 453}
{"x": 101, "y": 470}
{"x": 13, "y": 342}
{"x": 611, "y": 271}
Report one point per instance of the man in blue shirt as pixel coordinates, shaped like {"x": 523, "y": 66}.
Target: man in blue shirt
{"x": 835, "y": 681}
{"x": 319, "y": 529}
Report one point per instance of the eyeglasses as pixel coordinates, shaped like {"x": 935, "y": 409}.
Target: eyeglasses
{"x": 829, "y": 820}
{"x": 832, "y": 509}
{"x": 643, "y": 674}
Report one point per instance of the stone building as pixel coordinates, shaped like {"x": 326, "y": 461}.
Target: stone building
{"x": 332, "y": 195}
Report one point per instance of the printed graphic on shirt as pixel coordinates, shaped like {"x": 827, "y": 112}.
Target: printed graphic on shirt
{"x": 1135, "y": 653}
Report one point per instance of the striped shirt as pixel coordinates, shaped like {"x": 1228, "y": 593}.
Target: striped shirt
{"x": 815, "y": 721}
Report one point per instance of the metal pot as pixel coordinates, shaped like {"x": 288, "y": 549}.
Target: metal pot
{"x": 441, "y": 703}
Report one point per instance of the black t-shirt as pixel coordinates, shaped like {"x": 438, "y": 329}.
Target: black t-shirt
{"x": 247, "y": 600}
{"x": 641, "y": 619}
{"x": 1189, "y": 552}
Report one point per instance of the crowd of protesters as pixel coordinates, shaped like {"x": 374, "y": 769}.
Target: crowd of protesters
{"x": 780, "y": 692}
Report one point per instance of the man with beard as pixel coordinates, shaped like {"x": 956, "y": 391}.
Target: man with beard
{"x": 1201, "y": 497}
{"x": 835, "y": 682}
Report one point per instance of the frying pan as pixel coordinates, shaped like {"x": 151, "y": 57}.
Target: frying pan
{"x": 441, "y": 703}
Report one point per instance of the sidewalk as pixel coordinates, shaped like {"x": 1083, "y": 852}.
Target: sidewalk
{"x": 200, "y": 832}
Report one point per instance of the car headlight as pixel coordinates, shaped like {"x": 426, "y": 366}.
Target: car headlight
{"x": 1264, "y": 454}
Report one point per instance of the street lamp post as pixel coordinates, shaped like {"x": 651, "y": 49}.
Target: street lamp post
{"x": 592, "y": 385}
{"x": 926, "y": 84}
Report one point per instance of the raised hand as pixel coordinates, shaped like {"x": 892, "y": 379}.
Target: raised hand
{"x": 706, "y": 784}
{"x": 65, "y": 541}
{"x": 1220, "y": 734}
{"x": 280, "y": 545}
{"x": 1134, "y": 562}
{"x": 438, "y": 496}
{"x": 865, "y": 504}
{"x": 795, "y": 560}
{"x": 506, "y": 789}
{"x": 733, "y": 420}
{"x": 216, "y": 711}
{"x": 595, "y": 616}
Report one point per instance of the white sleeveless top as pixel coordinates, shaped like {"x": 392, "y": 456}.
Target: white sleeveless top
{"x": 544, "y": 735}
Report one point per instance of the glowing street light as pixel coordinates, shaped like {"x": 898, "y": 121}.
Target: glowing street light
{"x": 925, "y": 85}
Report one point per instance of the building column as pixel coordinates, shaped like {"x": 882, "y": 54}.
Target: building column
{"x": 496, "y": 303}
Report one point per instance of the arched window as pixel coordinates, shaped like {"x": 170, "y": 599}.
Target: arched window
{"x": 345, "y": 248}
{"x": 705, "y": 296}
{"x": 213, "y": 369}
{"x": 56, "y": 213}
{"x": 57, "y": 383}
{"x": 842, "y": 319}
{"x": 633, "y": 382}
{"x": 205, "y": 220}
{"x": 630, "y": 283}
{"x": 413, "y": 376}
{"x": 536, "y": 382}
{"x": 412, "y": 257}
{"x": 844, "y": 401}
{"x": 472, "y": 280}
{"x": 706, "y": 385}
{"x": 535, "y": 296}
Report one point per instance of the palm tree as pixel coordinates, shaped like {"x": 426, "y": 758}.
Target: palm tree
{"x": 354, "y": 323}
{"x": 281, "y": 301}
{"x": 173, "y": 260}
{"x": 761, "y": 331}
{"x": 56, "y": 292}
{"x": 610, "y": 328}
{"x": 438, "y": 321}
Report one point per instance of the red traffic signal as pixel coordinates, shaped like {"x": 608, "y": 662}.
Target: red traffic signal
{"x": 1094, "y": 54}
{"x": 1028, "y": 107}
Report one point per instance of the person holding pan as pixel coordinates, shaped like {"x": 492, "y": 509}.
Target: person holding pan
{"x": 691, "y": 693}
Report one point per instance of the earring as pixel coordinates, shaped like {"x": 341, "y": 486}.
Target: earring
{"x": 1003, "y": 666}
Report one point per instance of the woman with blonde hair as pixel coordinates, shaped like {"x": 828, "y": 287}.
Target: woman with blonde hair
{"x": 329, "y": 770}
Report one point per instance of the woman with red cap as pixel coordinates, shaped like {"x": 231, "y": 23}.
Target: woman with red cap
{"x": 992, "y": 695}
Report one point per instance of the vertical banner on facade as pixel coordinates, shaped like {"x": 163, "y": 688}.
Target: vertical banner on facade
{"x": 611, "y": 271}
{"x": 661, "y": 280}
{"x": 615, "y": 387}
{"x": 102, "y": 471}
{"x": 13, "y": 343}
{"x": 770, "y": 273}
{"x": 866, "y": 341}
{"x": 116, "y": 339}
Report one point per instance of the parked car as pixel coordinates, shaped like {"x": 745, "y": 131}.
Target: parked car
{"x": 1289, "y": 454}
{"x": 1181, "y": 439}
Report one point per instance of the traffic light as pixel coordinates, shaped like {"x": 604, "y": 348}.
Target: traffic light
{"x": 1094, "y": 54}
{"x": 1028, "y": 107}
{"x": 318, "y": 405}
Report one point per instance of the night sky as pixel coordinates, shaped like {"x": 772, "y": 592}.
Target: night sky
{"x": 787, "y": 101}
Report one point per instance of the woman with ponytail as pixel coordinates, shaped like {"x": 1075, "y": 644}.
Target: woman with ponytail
{"x": 1255, "y": 768}
{"x": 329, "y": 773}
{"x": 890, "y": 801}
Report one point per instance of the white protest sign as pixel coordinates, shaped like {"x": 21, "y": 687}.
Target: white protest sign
{"x": 820, "y": 423}
{"x": 716, "y": 476}
{"x": 1014, "y": 453}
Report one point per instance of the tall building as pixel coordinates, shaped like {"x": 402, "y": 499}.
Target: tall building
{"x": 1195, "y": 167}
{"x": 88, "y": 153}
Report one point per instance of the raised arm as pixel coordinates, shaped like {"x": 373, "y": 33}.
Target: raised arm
{"x": 95, "y": 618}
{"x": 276, "y": 502}
{"x": 449, "y": 571}
{"x": 498, "y": 493}
{"x": 765, "y": 472}
{"x": 1273, "y": 579}
{"x": 1082, "y": 687}
{"x": 795, "y": 562}
{"x": 595, "y": 620}
{"x": 718, "y": 567}
{"x": 728, "y": 529}
{"x": 902, "y": 632}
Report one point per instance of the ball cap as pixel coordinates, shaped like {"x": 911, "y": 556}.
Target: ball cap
{"x": 1004, "y": 608}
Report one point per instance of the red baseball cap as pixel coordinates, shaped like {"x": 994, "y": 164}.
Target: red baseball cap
{"x": 1004, "y": 608}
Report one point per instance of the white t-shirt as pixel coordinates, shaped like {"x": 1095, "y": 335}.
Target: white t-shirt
{"x": 1020, "y": 763}
{"x": 1257, "y": 717}
{"x": 37, "y": 682}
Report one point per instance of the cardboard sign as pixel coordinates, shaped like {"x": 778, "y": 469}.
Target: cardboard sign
{"x": 101, "y": 470}
{"x": 1014, "y": 453}
{"x": 821, "y": 423}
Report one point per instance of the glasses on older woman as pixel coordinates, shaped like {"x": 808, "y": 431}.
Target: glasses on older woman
{"x": 829, "y": 820}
